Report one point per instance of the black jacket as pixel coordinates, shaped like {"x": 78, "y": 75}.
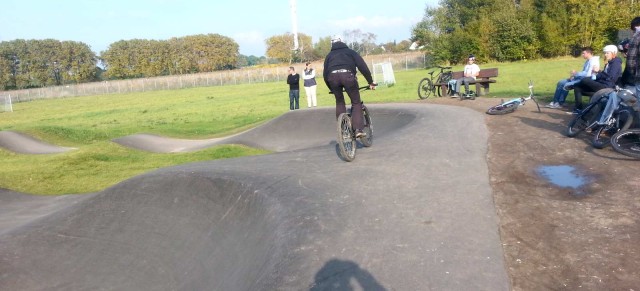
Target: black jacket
{"x": 293, "y": 81}
{"x": 342, "y": 57}
{"x": 611, "y": 73}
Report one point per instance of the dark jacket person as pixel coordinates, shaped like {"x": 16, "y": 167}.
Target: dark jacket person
{"x": 340, "y": 74}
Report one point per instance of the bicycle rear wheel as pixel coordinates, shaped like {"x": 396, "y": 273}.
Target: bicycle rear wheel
{"x": 346, "y": 138}
{"x": 627, "y": 142}
{"x": 503, "y": 108}
{"x": 367, "y": 141}
{"x": 425, "y": 88}
{"x": 586, "y": 119}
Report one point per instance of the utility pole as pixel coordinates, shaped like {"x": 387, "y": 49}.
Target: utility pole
{"x": 294, "y": 24}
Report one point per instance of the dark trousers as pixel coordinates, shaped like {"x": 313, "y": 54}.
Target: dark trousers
{"x": 586, "y": 85}
{"x": 348, "y": 82}
{"x": 294, "y": 99}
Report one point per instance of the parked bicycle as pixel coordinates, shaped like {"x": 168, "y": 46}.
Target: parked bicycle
{"x": 609, "y": 113}
{"x": 347, "y": 141}
{"x": 513, "y": 104}
{"x": 431, "y": 85}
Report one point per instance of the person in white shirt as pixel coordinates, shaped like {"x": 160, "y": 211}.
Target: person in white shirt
{"x": 310, "y": 85}
{"x": 591, "y": 65}
{"x": 471, "y": 71}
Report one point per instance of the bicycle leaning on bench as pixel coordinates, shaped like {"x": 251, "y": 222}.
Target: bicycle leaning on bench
{"x": 347, "y": 141}
{"x": 431, "y": 85}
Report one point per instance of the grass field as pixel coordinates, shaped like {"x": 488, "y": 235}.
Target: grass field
{"x": 89, "y": 123}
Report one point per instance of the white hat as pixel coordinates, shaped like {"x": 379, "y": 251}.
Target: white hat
{"x": 610, "y": 49}
{"x": 335, "y": 38}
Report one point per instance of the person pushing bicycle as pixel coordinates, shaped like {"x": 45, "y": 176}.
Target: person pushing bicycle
{"x": 340, "y": 73}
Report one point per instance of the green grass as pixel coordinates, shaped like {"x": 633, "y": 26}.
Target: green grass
{"x": 89, "y": 123}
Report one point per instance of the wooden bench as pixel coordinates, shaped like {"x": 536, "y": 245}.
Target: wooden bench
{"x": 482, "y": 81}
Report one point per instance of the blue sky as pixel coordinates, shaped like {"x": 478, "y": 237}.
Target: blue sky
{"x": 249, "y": 23}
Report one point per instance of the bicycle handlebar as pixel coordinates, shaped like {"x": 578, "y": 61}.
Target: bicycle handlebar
{"x": 368, "y": 87}
{"x": 440, "y": 67}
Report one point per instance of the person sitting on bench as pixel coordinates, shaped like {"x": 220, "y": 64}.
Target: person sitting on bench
{"x": 606, "y": 78}
{"x": 471, "y": 71}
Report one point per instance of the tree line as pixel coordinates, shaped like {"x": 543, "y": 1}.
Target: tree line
{"x": 500, "y": 30}
{"x": 512, "y": 30}
{"x": 40, "y": 63}
{"x": 280, "y": 46}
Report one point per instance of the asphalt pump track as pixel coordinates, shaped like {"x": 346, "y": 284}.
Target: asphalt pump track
{"x": 412, "y": 212}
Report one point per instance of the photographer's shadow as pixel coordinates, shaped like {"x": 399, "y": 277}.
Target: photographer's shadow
{"x": 339, "y": 275}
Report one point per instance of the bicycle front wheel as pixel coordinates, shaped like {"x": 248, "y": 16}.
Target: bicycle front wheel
{"x": 346, "y": 139}
{"x": 502, "y": 108}
{"x": 367, "y": 141}
{"x": 425, "y": 88}
{"x": 627, "y": 142}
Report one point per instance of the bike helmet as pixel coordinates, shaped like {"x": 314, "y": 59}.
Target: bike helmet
{"x": 610, "y": 49}
{"x": 627, "y": 96}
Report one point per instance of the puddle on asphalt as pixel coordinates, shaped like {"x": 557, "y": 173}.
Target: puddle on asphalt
{"x": 565, "y": 176}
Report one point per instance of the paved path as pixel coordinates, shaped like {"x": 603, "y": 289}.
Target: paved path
{"x": 413, "y": 212}
{"x": 24, "y": 144}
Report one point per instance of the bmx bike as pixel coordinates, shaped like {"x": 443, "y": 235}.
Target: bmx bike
{"x": 618, "y": 116}
{"x": 347, "y": 141}
{"x": 513, "y": 104}
{"x": 431, "y": 85}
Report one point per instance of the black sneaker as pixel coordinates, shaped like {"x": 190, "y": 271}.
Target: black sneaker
{"x": 574, "y": 112}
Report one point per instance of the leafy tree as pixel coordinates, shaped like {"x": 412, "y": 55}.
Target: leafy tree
{"x": 588, "y": 20}
{"x": 116, "y": 60}
{"x": 38, "y": 63}
{"x": 212, "y": 52}
{"x": 552, "y": 37}
{"x": 517, "y": 29}
{"x": 322, "y": 48}
{"x": 249, "y": 61}
{"x": 190, "y": 54}
{"x": 280, "y": 47}
{"x": 361, "y": 42}
{"x": 514, "y": 39}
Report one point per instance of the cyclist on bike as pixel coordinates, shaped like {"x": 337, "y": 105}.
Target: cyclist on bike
{"x": 340, "y": 73}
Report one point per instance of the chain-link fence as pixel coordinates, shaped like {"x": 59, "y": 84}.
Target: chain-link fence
{"x": 404, "y": 61}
